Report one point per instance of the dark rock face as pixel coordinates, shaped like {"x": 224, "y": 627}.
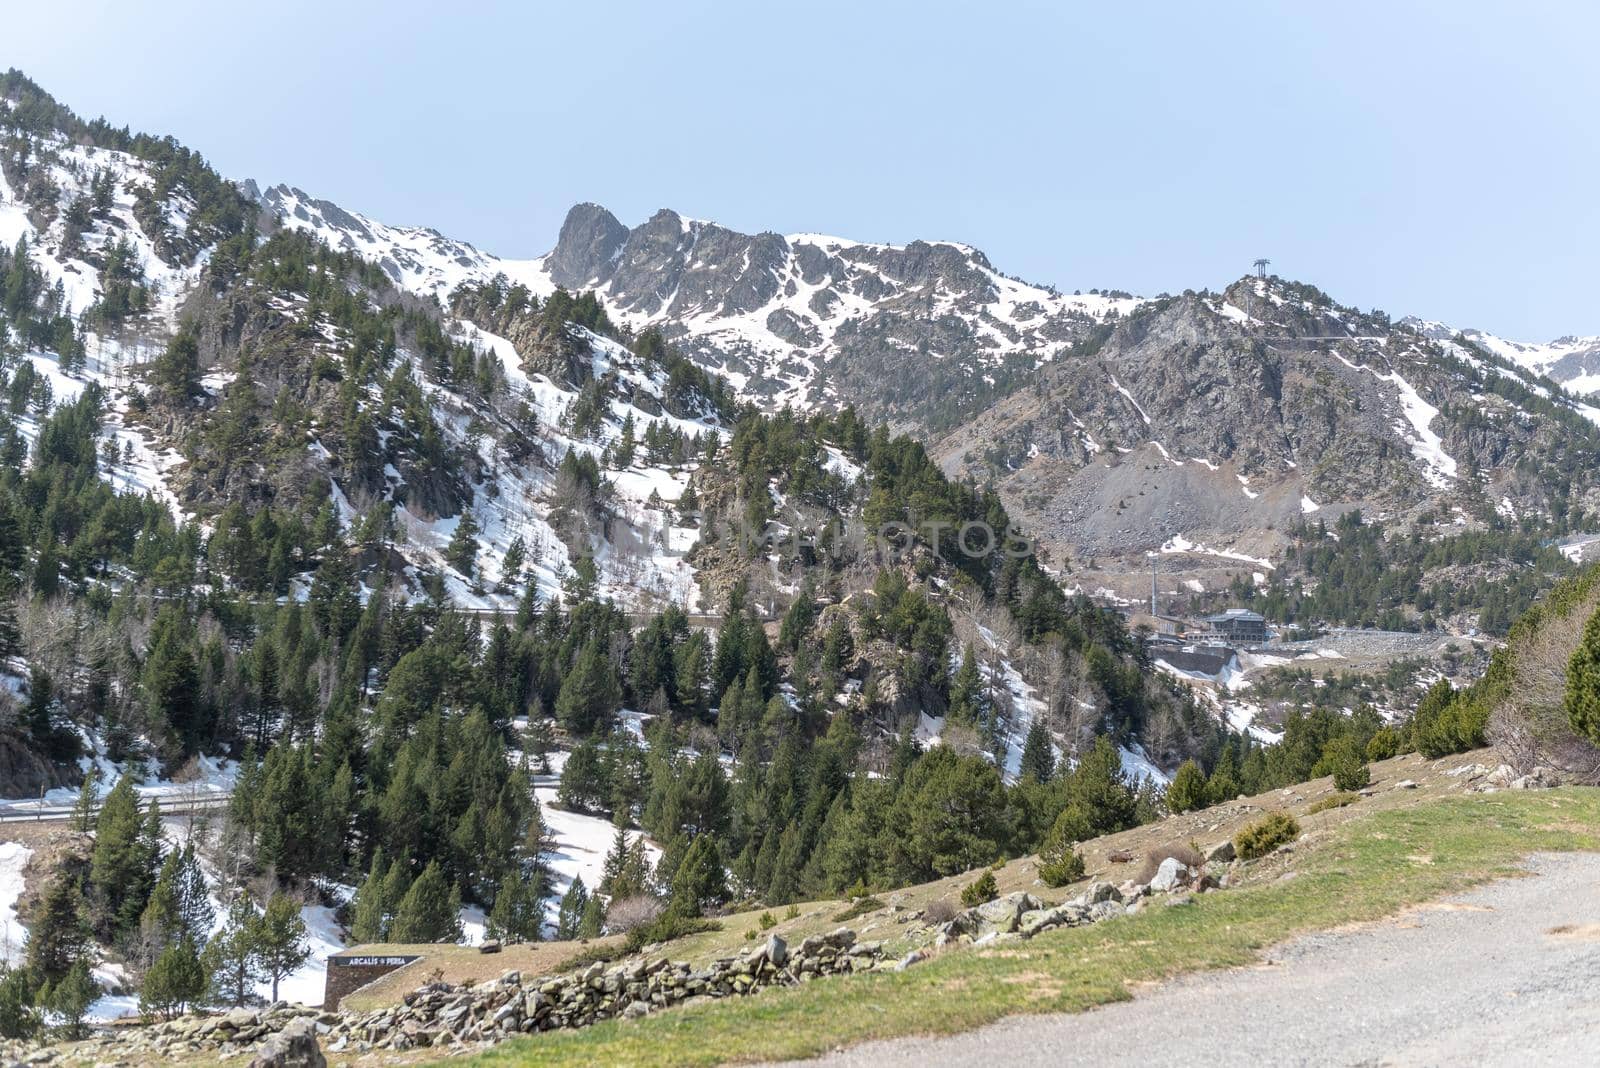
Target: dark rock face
{"x": 26, "y": 773}
{"x": 1236, "y": 413}
{"x": 590, "y": 239}
{"x": 921, "y": 334}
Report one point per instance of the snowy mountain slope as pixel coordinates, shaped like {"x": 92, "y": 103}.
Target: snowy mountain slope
{"x": 1217, "y": 419}
{"x": 802, "y": 319}
{"x": 417, "y": 259}
{"x": 76, "y": 208}
{"x": 1571, "y": 362}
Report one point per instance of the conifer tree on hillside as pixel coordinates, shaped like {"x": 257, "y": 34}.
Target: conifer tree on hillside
{"x": 59, "y": 936}
{"x": 278, "y": 938}
{"x": 1187, "y": 791}
{"x": 177, "y": 370}
{"x": 593, "y": 922}
{"x": 70, "y": 997}
{"x": 570, "y": 913}
{"x": 230, "y": 958}
{"x": 373, "y": 904}
{"x": 590, "y": 694}
{"x": 121, "y": 866}
{"x": 462, "y": 552}
{"x": 1583, "y": 682}
{"x": 700, "y": 881}
{"x": 430, "y": 910}
{"x": 83, "y": 808}
{"x": 518, "y": 912}
{"x": 174, "y": 981}
{"x": 1038, "y": 758}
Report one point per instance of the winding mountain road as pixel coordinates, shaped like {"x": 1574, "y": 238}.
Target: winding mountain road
{"x": 1508, "y": 974}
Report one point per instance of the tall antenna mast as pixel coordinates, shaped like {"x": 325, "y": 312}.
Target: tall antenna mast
{"x": 1261, "y": 267}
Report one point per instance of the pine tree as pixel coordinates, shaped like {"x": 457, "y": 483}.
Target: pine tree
{"x": 622, "y": 454}
{"x": 372, "y": 909}
{"x": 570, "y": 913}
{"x": 1583, "y": 682}
{"x": 518, "y": 912}
{"x": 590, "y": 694}
{"x": 230, "y": 957}
{"x": 71, "y": 997}
{"x": 177, "y": 370}
{"x": 1346, "y": 759}
{"x": 700, "y": 881}
{"x": 174, "y": 981}
{"x": 58, "y": 936}
{"x": 511, "y": 566}
{"x": 1099, "y": 790}
{"x": 429, "y": 911}
{"x": 279, "y": 939}
{"x": 1187, "y": 790}
{"x": 593, "y": 923}
{"x": 462, "y": 552}
{"x": 1038, "y": 758}
{"x": 83, "y": 809}
{"x": 17, "y": 1018}
{"x": 968, "y": 698}
{"x": 583, "y": 786}
{"x": 1059, "y": 862}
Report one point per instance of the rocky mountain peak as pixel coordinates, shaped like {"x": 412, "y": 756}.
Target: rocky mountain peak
{"x": 589, "y": 242}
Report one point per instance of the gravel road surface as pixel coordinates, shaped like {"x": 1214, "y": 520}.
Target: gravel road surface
{"x": 1508, "y": 974}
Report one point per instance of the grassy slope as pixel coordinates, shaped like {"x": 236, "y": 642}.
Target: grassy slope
{"x": 1369, "y": 867}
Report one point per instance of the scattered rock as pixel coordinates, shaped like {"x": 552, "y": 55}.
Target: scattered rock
{"x": 1406, "y": 784}
{"x": 293, "y": 1047}
{"x": 1220, "y": 853}
{"x": 1172, "y": 874}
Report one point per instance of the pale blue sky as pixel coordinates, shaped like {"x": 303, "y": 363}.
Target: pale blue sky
{"x": 1428, "y": 158}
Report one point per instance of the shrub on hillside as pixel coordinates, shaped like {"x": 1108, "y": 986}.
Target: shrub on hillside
{"x": 980, "y": 890}
{"x": 1066, "y": 867}
{"x": 636, "y": 911}
{"x": 1182, "y": 852}
{"x": 941, "y": 911}
{"x": 1059, "y": 862}
{"x": 665, "y": 928}
{"x": 859, "y": 907}
{"x": 1447, "y": 722}
{"x": 1332, "y": 801}
{"x": 1383, "y": 744}
{"x": 1265, "y": 834}
{"x": 1348, "y": 764}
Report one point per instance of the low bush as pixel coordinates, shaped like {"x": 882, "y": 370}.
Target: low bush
{"x": 630, "y": 912}
{"x": 1066, "y": 867}
{"x": 1332, "y": 801}
{"x": 940, "y": 911}
{"x": 767, "y": 921}
{"x": 980, "y": 890}
{"x": 1182, "y": 852}
{"x": 665, "y": 928}
{"x": 859, "y": 907}
{"x": 1265, "y": 834}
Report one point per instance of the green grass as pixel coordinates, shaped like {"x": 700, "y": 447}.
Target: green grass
{"x": 1369, "y": 868}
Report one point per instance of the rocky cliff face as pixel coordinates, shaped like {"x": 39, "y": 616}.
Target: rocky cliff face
{"x": 920, "y": 334}
{"x": 1227, "y": 416}
{"x": 1112, "y": 425}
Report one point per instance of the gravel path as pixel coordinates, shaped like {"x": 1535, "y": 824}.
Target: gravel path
{"x": 1508, "y": 974}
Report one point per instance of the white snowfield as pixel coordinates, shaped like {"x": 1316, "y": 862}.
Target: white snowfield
{"x": 13, "y": 936}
